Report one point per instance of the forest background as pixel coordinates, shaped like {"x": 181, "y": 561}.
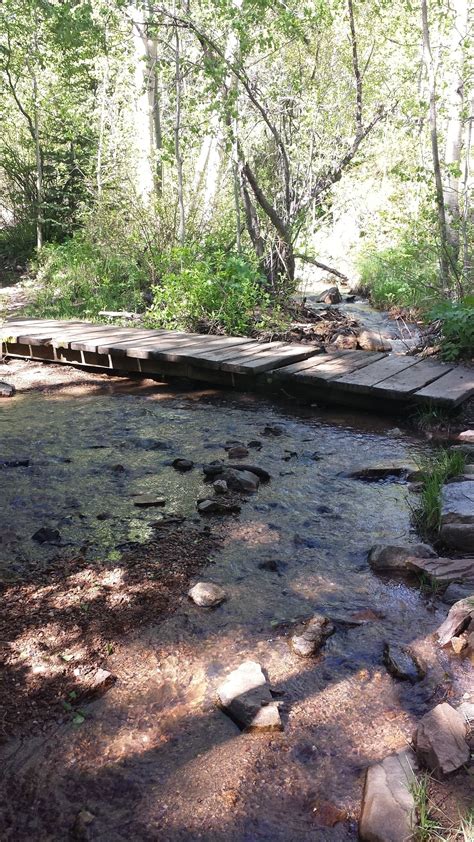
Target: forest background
{"x": 190, "y": 160}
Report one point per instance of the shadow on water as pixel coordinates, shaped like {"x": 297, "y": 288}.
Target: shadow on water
{"x": 154, "y": 758}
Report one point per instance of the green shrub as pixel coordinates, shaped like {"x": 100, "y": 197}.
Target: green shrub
{"x": 17, "y": 242}
{"x": 403, "y": 274}
{"x": 206, "y": 287}
{"x": 79, "y": 277}
{"x": 457, "y": 323}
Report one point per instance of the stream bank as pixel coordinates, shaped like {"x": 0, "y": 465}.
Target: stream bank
{"x": 154, "y": 758}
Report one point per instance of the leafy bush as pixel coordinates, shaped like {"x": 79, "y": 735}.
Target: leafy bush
{"x": 457, "y": 322}
{"x": 403, "y": 274}
{"x": 80, "y": 277}
{"x": 206, "y": 287}
{"x": 17, "y": 242}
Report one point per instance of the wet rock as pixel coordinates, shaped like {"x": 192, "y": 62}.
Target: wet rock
{"x": 330, "y": 296}
{"x": 370, "y": 340}
{"x": 459, "y": 619}
{"x": 244, "y": 482}
{"x": 207, "y": 594}
{"x": 388, "y": 807}
{"x": 255, "y": 444}
{"x": 440, "y": 740}
{"x": 457, "y": 515}
{"x": 402, "y": 663}
{"x": 467, "y": 436}
{"x": 47, "y": 535}
{"x": 454, "y": 593}
{"x": 118, "y": 469}
{"x": 6, "y": 390}
{"x": 219, "y": 469}
{"x": 146, "y": 444}
{"x": 443, "y": 570}
{"x": 217, "y": 507}
{"x": 238, "y": 452}
{"x": 14, "y": 463}
{"x": 103, "y": 516}
{"x": 148, "y": 501}
{"x": 245, "y": 696}
{"x": 220, "y": 486}
{"x": 394, "y": 557}
{"x": 310, "y": 641}
{"x": 183, "y": 465}
{"x": 274, "y": 430}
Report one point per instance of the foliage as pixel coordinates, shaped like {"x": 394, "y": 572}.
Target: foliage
{"x": 206, "y": 286}
{"x": 445, "y": 465}
{"x": 78, "y": 276}
{"x": 427, "y": 828}
{"x": 403, "y": 274}
{"x": 457, "y": 322}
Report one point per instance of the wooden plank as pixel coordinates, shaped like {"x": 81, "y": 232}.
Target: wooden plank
{"x": 334, "y": 368}
{"x": 113, "y": 336}
{"x": 451, "y": 389}
{"x": 412, "y": 379}
{"x": 140, "y": 347}
{"x": 174, "y": 348}
{"x": 320, "y": 358}
{"x": 361, "y": 380}
{"x": 215, "y": 357}
{"x": 268, "y": 358}
{"x": 39, "y": 333}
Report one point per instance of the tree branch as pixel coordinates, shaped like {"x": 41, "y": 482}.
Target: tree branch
{"x": 324, "y": 266}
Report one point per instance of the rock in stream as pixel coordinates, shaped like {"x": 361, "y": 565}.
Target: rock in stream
{"x": 245, "y": 696}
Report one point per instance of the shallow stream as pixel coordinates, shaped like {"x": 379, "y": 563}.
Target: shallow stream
{"x": 155, "y": 759}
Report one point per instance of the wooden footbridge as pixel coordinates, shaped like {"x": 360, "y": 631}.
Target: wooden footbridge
{"x": 379, "y": 381}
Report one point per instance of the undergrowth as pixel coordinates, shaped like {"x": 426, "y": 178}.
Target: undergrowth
{"x": 445, "y": 465}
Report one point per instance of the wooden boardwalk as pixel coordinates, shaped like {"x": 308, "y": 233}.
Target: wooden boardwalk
{"x": 380, "y": 381}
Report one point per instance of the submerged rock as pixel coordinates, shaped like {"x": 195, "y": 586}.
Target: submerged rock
{"x": 274, "y": 430}
{"x": 14, "y": 463}
{"x": 402, "y": 663}
{"x": 207, "y": 594}
{"x": 383, "y": 472}
{"x": 440, "y": 740}
{"x": 182, "y": 465}
{"x": 245, "y": 696}
{"x": 47, "y": 535}
{"x": 148, "y": 501}
{"x": 313, "y": 636}
{"x": 6, "y": 390}
{"x": 455, "y": 593}
{"x": 237, "y": 452}
{"x": 394, "y": 557}
{"x": 457, "y": 515}
{"x": 388, "y": 806}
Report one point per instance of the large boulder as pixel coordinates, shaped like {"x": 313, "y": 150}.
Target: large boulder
{"x": 330, "y": 296}
{"x": 457, "y": 515}
{"x": 244, "y": 482}
{"x": 388, "y": 806}
{"x": 312, "y": 637}
{"x": 459, "y": 620}
{"x": 394, "y": 557}
{"x": 440, "y": 740}
{"x": 245, "y": 696}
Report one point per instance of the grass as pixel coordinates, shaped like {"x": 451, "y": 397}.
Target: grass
{"x": 445, "y": 465}
{"x": 428, "y": 829}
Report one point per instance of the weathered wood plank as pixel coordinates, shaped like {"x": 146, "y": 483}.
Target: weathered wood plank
{"x": 334, "y": 368}
{"x": 269, "y": 357}
{"x": 412, "y": 379}
{"x": 92, "y": 341}
{"x": 363, "y": 379}
{"x": 319, "y": 358}
{"x": 451, "y": 389}
{"x": 215, "y": 357}
{"x": 38, "y": 334}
